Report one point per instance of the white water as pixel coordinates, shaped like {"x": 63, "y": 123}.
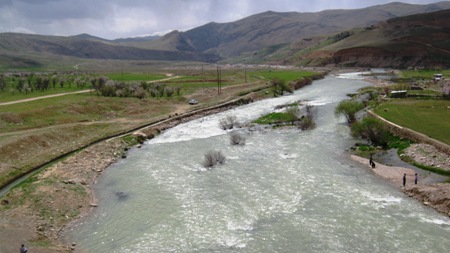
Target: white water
{"x": 284, "y": 191}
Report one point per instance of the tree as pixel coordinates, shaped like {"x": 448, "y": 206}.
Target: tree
{"x": 178, "y": 90}
{"x": 140, "y": 93}
{"x": 348, "y": 108}
{"x": 20, "y": 84}
{"x": 2, "y": 83}
{"x": 372, "y": 129}
{"x": 169, "y": 91}
{"x": 279, "y": 86}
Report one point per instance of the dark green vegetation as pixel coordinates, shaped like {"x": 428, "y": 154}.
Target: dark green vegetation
{"x": 135, "y": 76}
{"x": 348, "y": 108}
{"x": 366, "y": 39}
{"x": 371, "y": 129}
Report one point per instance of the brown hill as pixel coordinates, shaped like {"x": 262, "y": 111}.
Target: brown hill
{"x": 13, "y": 45}
{"x": 416, "y": 40}
{"x": 273, "y": 28}
{"x": 264, "y": 35}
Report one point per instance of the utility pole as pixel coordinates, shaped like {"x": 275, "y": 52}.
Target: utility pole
{"x": 219, "y": 80}
{"x": 245, "y": 73}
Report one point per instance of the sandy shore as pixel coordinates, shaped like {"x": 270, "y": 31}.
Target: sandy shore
{"x": 391, "y": 173}
{"x": 435, "y": 195}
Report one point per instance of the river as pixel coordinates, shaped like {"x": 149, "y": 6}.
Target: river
{"x": 285, "y": 190}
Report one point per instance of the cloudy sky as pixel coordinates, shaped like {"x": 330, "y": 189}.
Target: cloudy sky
{"x": 113, "y": 19}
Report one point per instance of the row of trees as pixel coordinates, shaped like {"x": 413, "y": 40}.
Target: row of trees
{"x": 26, "y": 83}
{"x": 42, "y": 82}
{"x": 141, "y": 90}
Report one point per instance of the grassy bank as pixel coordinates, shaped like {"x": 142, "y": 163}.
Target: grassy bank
{"x": 429, "y": 117}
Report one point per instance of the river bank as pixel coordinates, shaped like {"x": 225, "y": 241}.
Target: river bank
{"x": 63, "y": 192}
{"x": 434, "y": 195}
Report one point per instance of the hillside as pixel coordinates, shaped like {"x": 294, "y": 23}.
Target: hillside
{"x": 416, "y": 40}
{"x": 286, "y": 38}
{"x": 273, "y": 28}
{"x": 29, "y": 48}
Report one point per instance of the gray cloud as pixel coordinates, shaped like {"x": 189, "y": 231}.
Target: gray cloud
{"x": 126, "y": 18}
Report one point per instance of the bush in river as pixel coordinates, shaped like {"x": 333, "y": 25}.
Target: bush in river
{"x": 236, "y": 139}
{"x": 228, "y": 122}
{"x": 212, "y": 158}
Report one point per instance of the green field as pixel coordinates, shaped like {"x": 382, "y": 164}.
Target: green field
{"x": 430, "y": 117}
{"x": 126, "y": 77}
{"x": 286, "y": 75}
{"x": 423, "y": 74}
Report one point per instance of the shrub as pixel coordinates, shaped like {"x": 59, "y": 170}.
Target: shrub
{"x": 307, "y": 121}
{"x": 348, "y": 108}
{"x": 212, "y": 158}
{"x": 228, "y": 122}
{"x": 236, "y": 139}
{"x": 372, "y": 129}
{"x": 11, "y": 118}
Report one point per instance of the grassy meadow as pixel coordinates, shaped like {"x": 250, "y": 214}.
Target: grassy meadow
{"x": 430, "y": 117}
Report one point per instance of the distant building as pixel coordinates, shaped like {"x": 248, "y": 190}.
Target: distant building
{"x": 398, "y": 93}
{"x": 438, "y": 77}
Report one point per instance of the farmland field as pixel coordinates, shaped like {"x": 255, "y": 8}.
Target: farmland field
{"x": 430, "y": 117}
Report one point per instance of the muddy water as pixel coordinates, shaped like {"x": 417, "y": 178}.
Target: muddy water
{"x": 283, "y": 191}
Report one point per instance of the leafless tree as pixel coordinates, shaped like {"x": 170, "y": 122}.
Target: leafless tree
{"x": 212, "y": 158}
{"x": 228, "y": 122}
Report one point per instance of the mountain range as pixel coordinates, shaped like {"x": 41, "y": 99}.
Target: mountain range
{"x": 394, "y": 35}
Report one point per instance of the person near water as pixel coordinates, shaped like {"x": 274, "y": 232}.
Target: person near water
{"x": 23, "y": 249}
{"x": 371, "y": 162}
{"x": 404, "y": 179}
{"x": 415, "y": 178}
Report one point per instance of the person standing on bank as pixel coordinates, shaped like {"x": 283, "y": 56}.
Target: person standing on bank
{"x": 404, "y": 179}
{"x": 23, "y": 249}
{"x": 415, "y": 178}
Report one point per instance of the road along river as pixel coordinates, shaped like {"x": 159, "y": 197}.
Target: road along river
{"x": 285, "y": 190}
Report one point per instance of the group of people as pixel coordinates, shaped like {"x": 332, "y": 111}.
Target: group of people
{"x": 372, "y": 164}
{"x": 404, "y": 179}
